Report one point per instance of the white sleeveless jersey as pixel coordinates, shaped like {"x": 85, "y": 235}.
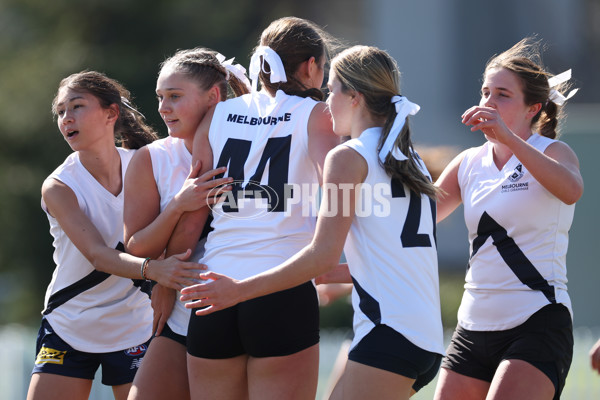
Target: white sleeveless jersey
{"x": 171, "y": 162}
{"x": 392, "y": 255}
{"x": 263, "y": 141}
{"x": 91, "y": 310}
{"x": 518, "y": 234}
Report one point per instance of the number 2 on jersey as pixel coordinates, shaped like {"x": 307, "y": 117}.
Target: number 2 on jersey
{"x": 410, "y": 236}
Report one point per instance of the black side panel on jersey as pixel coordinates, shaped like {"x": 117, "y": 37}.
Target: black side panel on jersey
{"x": 512, "y": 255}
{"x": 87, "y": 282}
{"x": 368, "y": 304}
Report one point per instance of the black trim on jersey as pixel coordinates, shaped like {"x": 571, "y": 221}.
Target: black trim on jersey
{"x": 207, "y": 228}
{"x": 433, "y": 206}
{"x": 368, "y": 305}
{"x": 87, "y": 282}
{"x": 512, "y": 255}
{"x": 65, "y": 294}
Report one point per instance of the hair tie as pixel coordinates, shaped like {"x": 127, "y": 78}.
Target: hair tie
{"x": 128, "y": 106}
{"x": 404, "y": 108}
{"x": 269, "y": 55}
{"x": 555, "y": 96}
{"x": 236, "y": 69}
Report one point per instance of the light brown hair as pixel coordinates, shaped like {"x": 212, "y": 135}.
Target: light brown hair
{"x": 375, "y": 75}
{"x": 295, "y": 40}
{"x": 524, "y": 59}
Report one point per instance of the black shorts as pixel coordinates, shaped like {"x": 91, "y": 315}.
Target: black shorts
{"x": 168, "y": 333}
{"x": 278, "y": 324}
{"x": 545, "y": 340}
{"x": 387, "y": 349}
{"x": 55, "y": 356}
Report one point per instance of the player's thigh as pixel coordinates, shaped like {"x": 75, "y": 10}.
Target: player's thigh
{"x": 454, "y": 386}
{"x": 121, "y": 392}
{"x": 293, "y": 377}
{"x": 221, "y": 379}
{"x": 360, "y": 381}
{"x": 45, "y": 386}
{"x": 517, "y": 379}
{"x": 163, "y": 372}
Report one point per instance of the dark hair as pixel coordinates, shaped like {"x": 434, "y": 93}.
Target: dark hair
{"x": 130, "y": 129}
{"x": 295, "y": 40}
{"x": 202, "y": 65}
{"x": 524, "y": 59}
{"x": 374, "y": 74}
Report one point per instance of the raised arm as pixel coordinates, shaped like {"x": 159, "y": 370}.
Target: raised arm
{"x": 147, "y": 229}
{"x": 556, "y": 169}
{"x": 344, "y": 170}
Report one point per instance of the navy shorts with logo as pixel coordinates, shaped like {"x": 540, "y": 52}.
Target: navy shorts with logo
{"x": 387, "y": 349}
{"x": 55, "y": 356}
{"x": 278, "y": 324}
{"x": 545, "y": 341}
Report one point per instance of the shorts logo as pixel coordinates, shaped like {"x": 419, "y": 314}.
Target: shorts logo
{"x": 136, "y": 350}
{"x": 51, "y": 356}
{"x": 135, "y": 364}
{"x": 517, "y": 174}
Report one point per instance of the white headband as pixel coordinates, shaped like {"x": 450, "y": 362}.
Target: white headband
{"x": 270, "y": 56}
{"x": 236, "y": 69}
{"x": 555, "y": 96}
{"x": 404, "y": 108}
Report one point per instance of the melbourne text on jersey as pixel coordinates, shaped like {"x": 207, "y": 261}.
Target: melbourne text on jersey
{"x": 244, "y": 119}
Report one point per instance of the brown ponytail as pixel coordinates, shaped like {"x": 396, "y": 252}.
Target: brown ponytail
{"x": 295, "y": 40}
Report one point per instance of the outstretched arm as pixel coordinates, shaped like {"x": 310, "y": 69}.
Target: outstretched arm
{"x": 62, "y": 204}
{"x": 344, "y": 170}
{"x": 339, "y": 274}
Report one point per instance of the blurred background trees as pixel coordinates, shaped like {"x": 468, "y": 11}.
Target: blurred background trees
{"x": 441, "y": 47}
{"x": 41, "y": 43}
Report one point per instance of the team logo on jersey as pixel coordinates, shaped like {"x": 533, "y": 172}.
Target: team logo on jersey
{"x": 50, "y": 356}
{"x": 136, "y": 350}
{"x": 514, "y": 178}
{"x": 517, "y": 174}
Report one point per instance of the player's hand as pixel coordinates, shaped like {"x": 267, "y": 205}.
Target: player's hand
{"x": 219, "y": 292}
